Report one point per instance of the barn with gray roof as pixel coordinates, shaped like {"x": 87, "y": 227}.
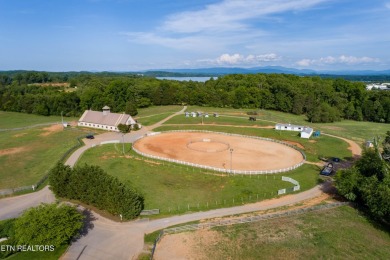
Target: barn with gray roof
{"x": 105, "y": 120}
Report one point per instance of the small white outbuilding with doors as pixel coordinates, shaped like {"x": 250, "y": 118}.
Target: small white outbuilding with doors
{"x": 305, "y": 131}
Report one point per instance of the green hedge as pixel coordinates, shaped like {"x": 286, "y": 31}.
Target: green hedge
{"x": 91, "y": 185}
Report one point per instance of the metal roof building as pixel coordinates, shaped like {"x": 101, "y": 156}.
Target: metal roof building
{"x": 105, "y": 120}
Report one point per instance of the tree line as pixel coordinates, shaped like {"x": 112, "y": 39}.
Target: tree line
{"x": 321, "y": 100}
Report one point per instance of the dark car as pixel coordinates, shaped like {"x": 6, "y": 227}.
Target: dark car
{"x": 327, "y": 170}
{"x": 90, "y": 137}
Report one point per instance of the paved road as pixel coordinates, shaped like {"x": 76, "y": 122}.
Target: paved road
{"x": 12, "y": 207}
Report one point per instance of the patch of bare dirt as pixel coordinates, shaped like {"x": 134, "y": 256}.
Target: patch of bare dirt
{"x": 13, "y": 150}
{"x": 51, "y": 129}
{"x": 52, "y": 84}
{"x": 186, "y": 245}
{"x": 73, "y": 123}
{"x": 312, "y": 141}
{"x": 19, "y": 135}
{"x": 295, "y": 143}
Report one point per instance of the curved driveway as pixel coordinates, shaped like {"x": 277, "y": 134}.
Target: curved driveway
{"x": 112, "y": 240}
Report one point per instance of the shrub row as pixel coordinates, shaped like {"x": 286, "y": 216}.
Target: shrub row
{"x": 91, "y": 185}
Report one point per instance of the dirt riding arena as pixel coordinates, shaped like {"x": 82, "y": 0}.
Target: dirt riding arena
{"x": 220, "y": 151}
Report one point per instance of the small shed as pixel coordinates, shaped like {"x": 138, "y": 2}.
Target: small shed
{"x": 306, "y": 132}
{"x": 206, "y": 115}
{"x": 187, "y": 114}
{"x": 193, "y": 114}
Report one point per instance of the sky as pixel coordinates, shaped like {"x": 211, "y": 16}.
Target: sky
{"x": 136, "y": 35}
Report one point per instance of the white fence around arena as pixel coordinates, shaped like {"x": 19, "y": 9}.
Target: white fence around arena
{"x": 222, "y": 169}
{"x": 111, "y": 142}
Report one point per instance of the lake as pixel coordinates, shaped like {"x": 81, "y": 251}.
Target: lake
{"x": 199, "y": 79}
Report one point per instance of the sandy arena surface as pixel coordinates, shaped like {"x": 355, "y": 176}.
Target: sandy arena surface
{"x": 213, "y": 149}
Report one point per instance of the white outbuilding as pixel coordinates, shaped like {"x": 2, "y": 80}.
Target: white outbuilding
{"x": 306, "y": 132}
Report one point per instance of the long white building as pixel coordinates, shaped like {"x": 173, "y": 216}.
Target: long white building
{"x": 105, "y": 120}
{"x": 305, "y": 131}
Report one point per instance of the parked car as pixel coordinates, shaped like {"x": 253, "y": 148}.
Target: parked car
{"x": 90, "y": 137}
{"x": 327, "y": 170}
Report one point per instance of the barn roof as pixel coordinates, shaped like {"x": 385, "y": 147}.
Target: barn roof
{"x": 110, "y": 119}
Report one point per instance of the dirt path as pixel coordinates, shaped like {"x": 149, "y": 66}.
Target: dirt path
{"x": 353, "y": 146}
{"x": 149, "y": 128}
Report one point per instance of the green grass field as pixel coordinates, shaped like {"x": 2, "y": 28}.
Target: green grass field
{"x": 27, "y": 155}
{"x": 340, "y": 233}
{"x": 151, "y": 115}
{"x": 221, "y": 120}
{"x": 154, "y": 110}
{"x": 321, "y": 146}
{"x": 15, "y": 120}
{"x": 174, "y": 188}
{"x": 150, "y": 120}
{"x": 359, "y": 131}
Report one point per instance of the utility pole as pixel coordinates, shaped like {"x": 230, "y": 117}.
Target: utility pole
{"x": 231, "y": 160}
{"x": 123, "y": 143}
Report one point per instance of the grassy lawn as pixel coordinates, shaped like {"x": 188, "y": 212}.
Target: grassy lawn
{"x": 16, "y": 120}
{"x": 27, "y": 155}
{"x": 321, "y": 146}
{"x": 150, "y": 120}
{"x": 340, "y": 233}
{"x": 154, "y": 110}
{"x": 174, "y": 188}
{"x": 221, "y": 120}
{"x": 359, "y": 131}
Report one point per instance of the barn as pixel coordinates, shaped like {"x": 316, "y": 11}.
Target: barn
{"x": 105, "y": 120}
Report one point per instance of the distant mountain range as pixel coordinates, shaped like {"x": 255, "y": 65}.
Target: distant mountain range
{"x": 218, "y": 71}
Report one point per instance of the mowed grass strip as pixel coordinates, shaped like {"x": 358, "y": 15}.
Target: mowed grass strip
{"x": 10, "y": 120}
{"x": 313, "y": 148}
{"x": 339, "y": 233}
{"x": 27, "y": 155}
{"x": 174, "y": 188}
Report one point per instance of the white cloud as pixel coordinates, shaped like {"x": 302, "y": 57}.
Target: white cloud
{"x": 231, "y": 15}
{"x": 223, "y": 24}
{"x": 304, "y": 63}
{"x": 241, "y": 60}
{"x": 387, "y": 5}
{"x": 343, "y": 59}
